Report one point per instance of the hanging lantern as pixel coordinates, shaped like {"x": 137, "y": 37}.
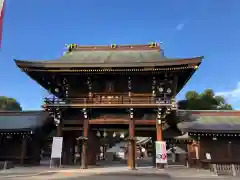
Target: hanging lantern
{"x": 89, "y": 82}
{"x": 98, "y": 134}
{"x": 160, "y": 89}
{"x": 131, "y": 113}
{"x": 56, "y": 90}
{"x": 105, "y": 134}
{"x": 9, "y": 137}
{"x": 122, "y": 135}
{"x": 153, "y": 86}
{"x": 169, "y": 90}
{"x": 57, "y": 121}
{"x": 129, "y": 86}
{"x": 85, "y": 114}
{"x": 214, "y": 138}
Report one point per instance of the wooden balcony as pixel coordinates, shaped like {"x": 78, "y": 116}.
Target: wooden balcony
{"x": 109, "y": 101}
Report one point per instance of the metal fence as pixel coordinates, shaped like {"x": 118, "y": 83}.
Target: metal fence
{"x": 6, "y": 165}
{"x": 226, "y": 169}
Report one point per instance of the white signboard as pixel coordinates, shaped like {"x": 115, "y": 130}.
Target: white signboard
{"x": 208, "y": 156}
{"x": 161, "y": 152}
{"x": 57, "y": 147}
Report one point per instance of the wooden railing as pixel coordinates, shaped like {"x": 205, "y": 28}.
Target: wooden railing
{"x": 109, "y": 100}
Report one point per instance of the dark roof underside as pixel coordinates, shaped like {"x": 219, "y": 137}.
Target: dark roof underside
{"x": 225, "y": 124}
{"x": 22, "y": 121}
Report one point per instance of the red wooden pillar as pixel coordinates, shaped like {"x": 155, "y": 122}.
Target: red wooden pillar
{"x": 159, "y": 134}
{"x": 84, "y": 164}
{"x": 132, "y": 144}
{"x": 159, "y": 130}
{"x": 59, "y": 130}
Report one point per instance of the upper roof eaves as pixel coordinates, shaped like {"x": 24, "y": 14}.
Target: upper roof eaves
{"x": 105, "y": 56}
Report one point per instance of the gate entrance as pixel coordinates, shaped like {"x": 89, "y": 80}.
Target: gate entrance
{"x": 176, "y": 153}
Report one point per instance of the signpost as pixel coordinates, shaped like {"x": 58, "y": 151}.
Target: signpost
{"x": 161, "y": 153}
{"x": 56, "y": 153}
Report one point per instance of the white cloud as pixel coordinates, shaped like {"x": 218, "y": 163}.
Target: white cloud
{"x": 179, "y": 27}
{"x": 232, "y": 96}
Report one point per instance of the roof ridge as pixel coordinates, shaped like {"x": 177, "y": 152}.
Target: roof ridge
{"x": 115, "y": 47}
{"x": 13, "y": 113}
{"x": 182, "y": 110}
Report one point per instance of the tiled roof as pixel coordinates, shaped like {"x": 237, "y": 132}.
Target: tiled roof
{"x": 116, "y": 58}
{"x": 212, "y": 124}
{"x": 89, "y": 57}
{"x": 22, "y": 121}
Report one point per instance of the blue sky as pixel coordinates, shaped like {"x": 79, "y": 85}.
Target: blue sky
{"x": 39, "y": 29}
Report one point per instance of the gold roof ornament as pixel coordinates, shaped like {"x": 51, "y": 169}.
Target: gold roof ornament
{"x": 113, "y": 46}
{"x": 153, "y": 45}
{"x": 71, "y": 47}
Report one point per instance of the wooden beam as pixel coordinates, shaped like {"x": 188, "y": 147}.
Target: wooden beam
{"x": 72, "y": 128}
{"x": 103, "y": 121}
{"x": 109, "y": 121}
{"x": 82, "y": 105}
{"x": 72, "y": 122}
{"x": 122, "y": 121}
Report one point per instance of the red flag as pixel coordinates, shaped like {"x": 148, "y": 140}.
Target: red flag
{"x": 2, "y": 3}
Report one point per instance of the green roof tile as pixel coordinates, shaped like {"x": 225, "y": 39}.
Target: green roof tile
{"x": 21, "y": 121}
{"x": 88, "y": 57}
{"x": 211, "y": 123}
{"x": 231, "y": 120}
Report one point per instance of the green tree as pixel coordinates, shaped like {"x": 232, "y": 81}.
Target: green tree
{"x": 9, "y": 104}
{"x": 203, "y": 101}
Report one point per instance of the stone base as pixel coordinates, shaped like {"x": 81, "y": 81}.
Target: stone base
{"x": 160, "y": 166}
{"x": 132, "y": 168}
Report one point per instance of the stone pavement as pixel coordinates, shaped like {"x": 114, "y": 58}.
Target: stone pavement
{"x": 120, "y": 171}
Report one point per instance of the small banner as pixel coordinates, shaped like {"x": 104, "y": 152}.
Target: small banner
{"x": 161, "y": 152}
